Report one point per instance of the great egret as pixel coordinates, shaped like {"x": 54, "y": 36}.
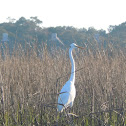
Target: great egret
{"x": 68, "y": 91}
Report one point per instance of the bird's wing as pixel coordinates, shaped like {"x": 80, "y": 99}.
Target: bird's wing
{"x": 63, "y": 99}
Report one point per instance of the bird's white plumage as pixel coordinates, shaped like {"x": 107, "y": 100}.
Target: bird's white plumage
{"x": 68, "y": 91}
{"x": 67, "y": 95}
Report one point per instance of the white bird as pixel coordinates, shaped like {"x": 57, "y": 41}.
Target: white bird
{"x": 68, "y": 91}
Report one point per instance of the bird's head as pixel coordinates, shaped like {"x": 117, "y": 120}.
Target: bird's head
{"x": 73, "y": 45}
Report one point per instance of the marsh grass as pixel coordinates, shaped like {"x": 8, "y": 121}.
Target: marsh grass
{"x": 28, "y": 80}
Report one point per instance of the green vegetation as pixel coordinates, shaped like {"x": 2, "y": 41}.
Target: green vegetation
{"x": 29, "y": 92}
{"x": 31, "y": 30}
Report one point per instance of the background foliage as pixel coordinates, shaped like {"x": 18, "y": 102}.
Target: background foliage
{"x": 31, "y": 30}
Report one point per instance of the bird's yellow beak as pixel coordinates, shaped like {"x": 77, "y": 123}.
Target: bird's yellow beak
{"x": 80, "y": 47}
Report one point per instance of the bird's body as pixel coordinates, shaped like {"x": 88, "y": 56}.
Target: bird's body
{"x": 68, "y": 91}
{"x": 67, "y": 95}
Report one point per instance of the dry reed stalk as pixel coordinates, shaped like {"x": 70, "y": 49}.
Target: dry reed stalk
{"x": 30, "y": 80}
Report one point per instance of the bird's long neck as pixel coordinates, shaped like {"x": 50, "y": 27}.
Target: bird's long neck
{"x": 72, "y": 77}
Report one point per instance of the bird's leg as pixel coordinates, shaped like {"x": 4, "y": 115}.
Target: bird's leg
{"x": 70, "y": 116}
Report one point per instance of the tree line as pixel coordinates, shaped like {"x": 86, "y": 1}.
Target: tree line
{"x": 31, "y": 30}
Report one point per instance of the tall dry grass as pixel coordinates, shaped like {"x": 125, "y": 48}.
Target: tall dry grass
{"x": 28, "y": 85}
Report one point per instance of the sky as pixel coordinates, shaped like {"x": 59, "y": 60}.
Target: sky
{"x": 77, "y": 13}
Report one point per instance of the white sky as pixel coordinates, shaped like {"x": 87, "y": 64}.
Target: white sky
{"x": 78, "y": 13}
